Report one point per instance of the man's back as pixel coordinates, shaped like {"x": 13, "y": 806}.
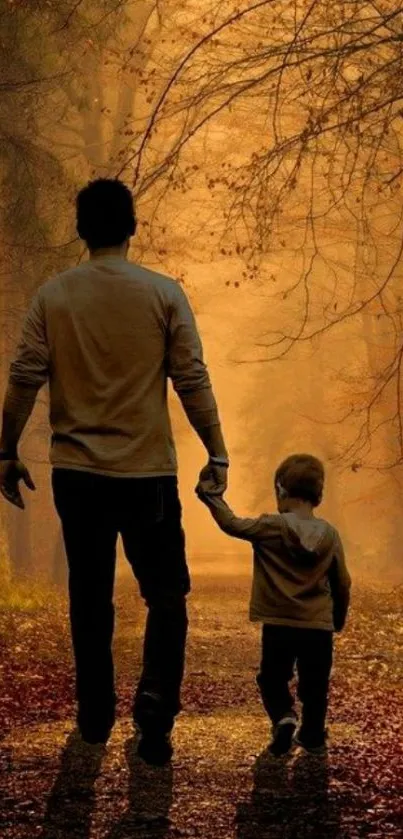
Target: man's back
{"x": 106, "y": 336}
{"x": 114, "y": 331}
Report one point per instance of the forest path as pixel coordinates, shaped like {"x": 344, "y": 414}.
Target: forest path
{"x": 222, "y": 783}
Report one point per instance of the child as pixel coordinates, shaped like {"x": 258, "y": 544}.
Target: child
{"x": 300, "y": 592}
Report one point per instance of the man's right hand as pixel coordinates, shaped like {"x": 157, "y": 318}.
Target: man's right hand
{"x": 11, "y": 473}
{"x": 213, "y": 479}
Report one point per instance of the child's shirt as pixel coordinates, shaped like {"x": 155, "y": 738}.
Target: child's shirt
{"x": 300, "y": 576}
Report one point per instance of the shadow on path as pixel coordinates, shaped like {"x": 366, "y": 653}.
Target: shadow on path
{"x": 290, "y": 800}
{"x": 72, "y": 798}
{"x": 150, "y": 799}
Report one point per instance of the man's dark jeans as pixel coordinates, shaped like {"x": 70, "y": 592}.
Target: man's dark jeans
{"x": 93, "y": 510}
{"x": 312, "y": 651}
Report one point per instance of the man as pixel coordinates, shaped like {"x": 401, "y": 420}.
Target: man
{"x": 106, "y": 335}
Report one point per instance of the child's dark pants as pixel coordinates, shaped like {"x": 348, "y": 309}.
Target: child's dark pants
{"x": 311, "y": 650}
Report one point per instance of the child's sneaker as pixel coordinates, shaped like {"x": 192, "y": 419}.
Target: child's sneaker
{"x": 283, "y": 734}
{"x": 317, "y": 745}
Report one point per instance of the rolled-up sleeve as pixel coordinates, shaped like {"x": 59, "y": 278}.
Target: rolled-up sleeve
{"x": 185, "y": 364}
{"x": 31, "y": 363}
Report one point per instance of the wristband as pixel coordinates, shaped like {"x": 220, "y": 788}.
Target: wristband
{"x": 219, "y": 461}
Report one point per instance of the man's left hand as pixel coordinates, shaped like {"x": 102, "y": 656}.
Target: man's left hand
{"x": 11, "y": 472}
{"x": 213, "y": 480}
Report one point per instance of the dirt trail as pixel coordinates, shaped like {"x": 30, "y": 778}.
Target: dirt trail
{"x": 222, "y": 783}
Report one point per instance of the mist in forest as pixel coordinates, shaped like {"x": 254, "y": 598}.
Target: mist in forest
{"x": 267, "y": 411}
{"x": 301, "y": 401}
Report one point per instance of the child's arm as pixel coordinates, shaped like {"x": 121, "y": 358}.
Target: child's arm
{"x": 249, "y": 529}
{"x": 340, "y": 584}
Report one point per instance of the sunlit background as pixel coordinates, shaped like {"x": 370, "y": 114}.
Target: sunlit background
{"x": 262, "y": 140}
{"x": 263, "y": 145}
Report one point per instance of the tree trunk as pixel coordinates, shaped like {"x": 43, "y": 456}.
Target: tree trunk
{"x": 59, "y": 570}
{"x": 318, "y": 386}
{"x": 5, "y": 565}
{"x": 19, "y": 535}
{"x": 389, "y": 527}
{"x": 125, "y": 106}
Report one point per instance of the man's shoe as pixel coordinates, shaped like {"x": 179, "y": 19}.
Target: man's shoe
{"x": 155, "y": 725}
{"x": 283, "y": 734}
{"x": 155, "y": 749}
{"x": 150, "y": 715}
{"x": 94, "y": 734}
{"x": 96, "y": 727}
{"x": 313, "y": 745}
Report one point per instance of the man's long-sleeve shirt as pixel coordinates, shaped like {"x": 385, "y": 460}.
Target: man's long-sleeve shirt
{"x": 106, "y": 335}
{"x": 300, "y": 576}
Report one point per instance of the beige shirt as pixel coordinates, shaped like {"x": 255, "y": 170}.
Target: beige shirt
{"x": 299, "y": 572}
{"x": 107, "y": 335}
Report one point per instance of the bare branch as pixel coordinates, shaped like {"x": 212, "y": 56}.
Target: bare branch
{"x": 66, "y": 22}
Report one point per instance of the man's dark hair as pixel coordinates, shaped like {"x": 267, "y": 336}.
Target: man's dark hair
{"x": 302, "y": 476}
{"x": 105, "y": 213}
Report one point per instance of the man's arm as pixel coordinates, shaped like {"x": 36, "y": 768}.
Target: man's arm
{"x": 28, "y": 372}
{"x": 340, "y": 585}
{"x": 251, "y": 530}
{"x": 18, "y": 406}
{"x": 188, "y": 372}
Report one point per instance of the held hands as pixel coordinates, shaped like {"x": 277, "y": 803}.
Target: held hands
{"x": 11, "y": 472}
{"x": 213, "y": 480}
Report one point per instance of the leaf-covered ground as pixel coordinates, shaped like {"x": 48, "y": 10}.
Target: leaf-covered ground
{"x": 222, "y": 784}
